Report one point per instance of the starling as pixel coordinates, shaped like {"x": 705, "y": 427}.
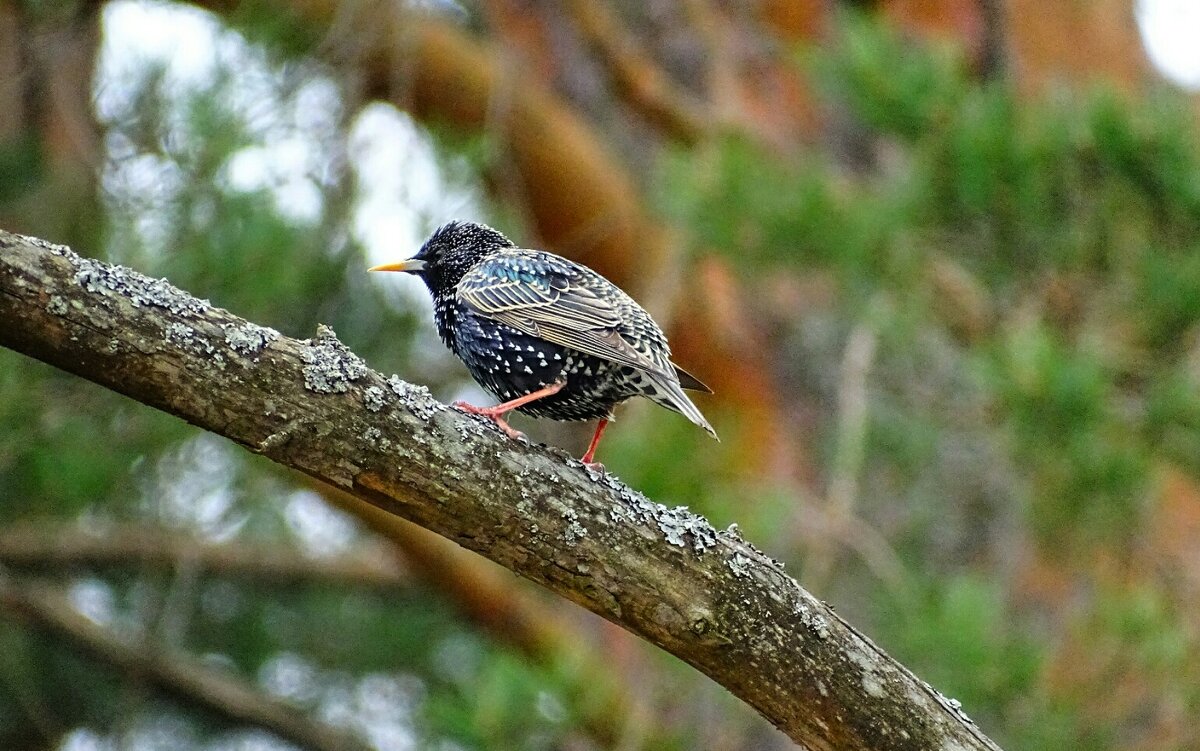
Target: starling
{"x": 546, "y": 336}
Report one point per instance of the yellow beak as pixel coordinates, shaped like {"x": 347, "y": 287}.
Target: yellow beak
{"x": 411, "y": 265}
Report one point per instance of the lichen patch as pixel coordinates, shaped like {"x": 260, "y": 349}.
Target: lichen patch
{"x": 814, "y": 622}
{"x": 105, "y": 279}
{"x": 575, "y": 531}
{"x": 188, "y": 339}
{"x": 56, "y": 305}
{"x": 739, "y": 565}
{"x": 679, "y": 526}
{"x": 58, "y": 250}
{"x": 248, "y": 339}
{"x": 374, "y": 398}
{"x": 416, "y": 399}
{"x": 329, "y": 366}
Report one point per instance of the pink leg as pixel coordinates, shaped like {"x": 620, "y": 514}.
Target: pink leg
{"x": 497, "y": 413}
{"x": 591, "y": 451}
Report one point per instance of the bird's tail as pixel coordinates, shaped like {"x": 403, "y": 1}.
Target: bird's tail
{"x": 668, "y": 392}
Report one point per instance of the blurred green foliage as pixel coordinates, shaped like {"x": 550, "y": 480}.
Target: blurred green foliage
{"x": 1076, "y": 220}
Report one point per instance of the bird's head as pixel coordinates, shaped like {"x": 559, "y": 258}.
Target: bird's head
{"x": 449, "y": 252}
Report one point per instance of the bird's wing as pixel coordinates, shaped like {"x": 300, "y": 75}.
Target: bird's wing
{"x": 559, "y": 303}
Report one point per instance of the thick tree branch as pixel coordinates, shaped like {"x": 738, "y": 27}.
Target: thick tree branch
{"x": 705, "y": 596}
{"x": 183, "y": 676}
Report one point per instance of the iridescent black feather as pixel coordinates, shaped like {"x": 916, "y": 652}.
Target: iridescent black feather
{"x": 524, "y": 319}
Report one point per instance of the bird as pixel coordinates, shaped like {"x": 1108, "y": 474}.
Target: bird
{"x": 546, "y": 336}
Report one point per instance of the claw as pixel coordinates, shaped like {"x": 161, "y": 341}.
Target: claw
{"x": 494, "y": 415}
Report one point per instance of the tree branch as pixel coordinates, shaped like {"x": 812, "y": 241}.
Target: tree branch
{"x": 57, "y": 546}
{"x": 705, "y": 596}
{"x": 180, "y": 675}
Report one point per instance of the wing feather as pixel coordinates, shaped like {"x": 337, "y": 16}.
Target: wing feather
{"x": 557, "y": 305}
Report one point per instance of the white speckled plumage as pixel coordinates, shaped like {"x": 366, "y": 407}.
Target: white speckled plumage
{"x": 522, "y": 320}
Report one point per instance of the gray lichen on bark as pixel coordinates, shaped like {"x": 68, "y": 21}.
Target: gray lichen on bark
{"x": 248, "y": 339}
{"x": 330, "y": 367}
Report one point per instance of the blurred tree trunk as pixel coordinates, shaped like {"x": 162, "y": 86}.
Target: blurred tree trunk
{"x": 1075, "y": 43}
{"x": 49, "y": 140}
{"x": 1040, "y": 44}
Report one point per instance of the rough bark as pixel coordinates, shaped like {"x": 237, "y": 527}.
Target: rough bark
{"x": 704, "y": 595}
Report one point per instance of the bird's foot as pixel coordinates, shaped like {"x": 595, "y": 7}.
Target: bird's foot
{"x": 596, "y": 467}
{"x": 496, "y": 416}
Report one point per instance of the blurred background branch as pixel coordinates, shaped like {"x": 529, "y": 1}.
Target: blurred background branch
{"x": 51, "y": 547}
{"x": 208, "y": 687}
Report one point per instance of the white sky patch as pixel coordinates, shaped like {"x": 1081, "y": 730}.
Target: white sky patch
{"x": 137, "y": 36}
{"x": 404, "y": 193}
{"x": 194, "y": 489}
{"x": 391, "y": 164}
{"x": 322, "y": 529}
{"x": 403, "y": 190}
{"x": 379, "y": 707}
{"x": 292, "y": 162}
{"x": 190, "y": 47}
{"x": 94, "y": 599}
{"x": 1171, "y": 34}
{"x": 283, "y": 168}
{"x": 290, "y": 676}
{"x": 85, "y": 739}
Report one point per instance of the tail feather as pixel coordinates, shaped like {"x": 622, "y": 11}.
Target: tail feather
{"x": 689, "y": 381}
{"x": 669, "y": 393}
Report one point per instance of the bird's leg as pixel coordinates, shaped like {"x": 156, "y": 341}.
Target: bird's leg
{"x": 496, "y": 414}
{"x": 591, "y": 450}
